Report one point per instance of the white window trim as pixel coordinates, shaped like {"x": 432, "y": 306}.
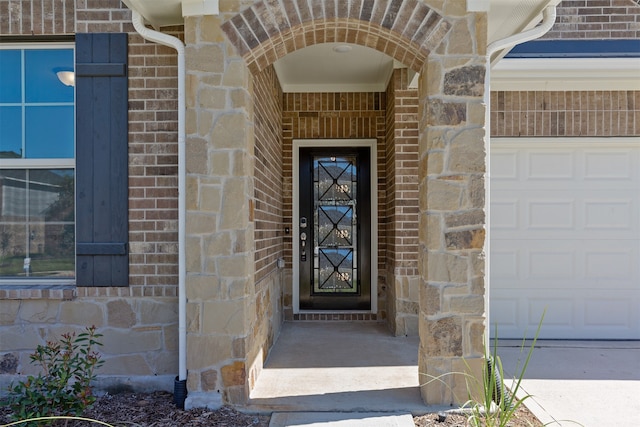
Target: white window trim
{"x": 38, "y": 163}
{"x": 372, "y": 144}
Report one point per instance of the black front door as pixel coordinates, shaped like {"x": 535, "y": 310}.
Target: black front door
{"x": 335, "y": 228}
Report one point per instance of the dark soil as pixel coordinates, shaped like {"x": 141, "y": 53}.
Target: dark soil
{"x": 158, "y": 410}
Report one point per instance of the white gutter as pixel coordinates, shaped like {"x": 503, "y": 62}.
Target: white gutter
{"x": 548, "y": 20}
{"x": 174, "y": 42}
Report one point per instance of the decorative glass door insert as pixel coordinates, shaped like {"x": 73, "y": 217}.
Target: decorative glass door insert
{"x": 335, "y": 237}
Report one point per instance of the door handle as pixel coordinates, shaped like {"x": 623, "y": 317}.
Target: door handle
{"x": 303, "y": 243}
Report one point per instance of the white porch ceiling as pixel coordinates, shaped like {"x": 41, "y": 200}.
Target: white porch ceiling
{"x": 319, "y": 67}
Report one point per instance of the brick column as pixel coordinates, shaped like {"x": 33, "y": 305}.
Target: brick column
{"x": 220, "y": 265}
{"x": 403, "y": 282}
{"x": 452, "y": 209}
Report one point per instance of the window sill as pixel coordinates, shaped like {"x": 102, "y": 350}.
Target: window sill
{"x": 24, "y": 291}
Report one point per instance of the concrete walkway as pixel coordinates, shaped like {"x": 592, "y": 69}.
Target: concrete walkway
{"x": 589, "y": 383}
{"x": 340, "y": 374}
{"x": 359, "y": 375}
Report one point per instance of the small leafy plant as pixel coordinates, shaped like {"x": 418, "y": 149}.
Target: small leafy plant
{"x": 64, "y": 386}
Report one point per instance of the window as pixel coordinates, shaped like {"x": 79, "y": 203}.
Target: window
{"x": 37, "y": 164}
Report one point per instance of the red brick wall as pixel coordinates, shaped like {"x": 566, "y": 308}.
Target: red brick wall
{"x": 267, "y": 96}
{"x": 37, "y": 17}
{"x": 402, "y": 173}
{"x": 572, "y": 113}
{"x": 153, "y": 162}
{"x": 390, "y": 166}
{"x": 152, "y": 128}
{"x": 402, "y": 196}
{"x": 153, "y": 148}
{"x": 597, "y": 19}
{"x": 335, "y": 116}
{"x": 146, "y": 310}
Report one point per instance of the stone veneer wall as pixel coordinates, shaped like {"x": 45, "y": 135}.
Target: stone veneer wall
{"x": 570, "y": 113}
{"x": 139, "y": 321}
{"x": 403, "y": 282}
{"x": 221, "y": 289}
{"x": 452, "y": 172}
{"x": 439, "y": 39}
{"x": 335, "y": 116}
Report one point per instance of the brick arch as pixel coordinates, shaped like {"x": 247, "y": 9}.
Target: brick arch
{"x": 406, "y": 30}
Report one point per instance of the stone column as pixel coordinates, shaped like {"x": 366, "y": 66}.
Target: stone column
{"x": 452, "y": 209}
{"x": 219, "y": 216}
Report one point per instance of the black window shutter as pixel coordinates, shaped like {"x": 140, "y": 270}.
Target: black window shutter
{"x": 101, "y": 160}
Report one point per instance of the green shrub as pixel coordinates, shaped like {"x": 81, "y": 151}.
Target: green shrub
{"x": 64, "y": 385}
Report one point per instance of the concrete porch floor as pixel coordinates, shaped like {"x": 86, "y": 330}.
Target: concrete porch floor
{"x": 340, "y": 367}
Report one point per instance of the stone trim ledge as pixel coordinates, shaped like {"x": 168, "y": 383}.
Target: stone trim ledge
{"x": 69, "y": 291}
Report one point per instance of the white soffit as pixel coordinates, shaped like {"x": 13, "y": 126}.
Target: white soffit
{"x": 200, "y": 7}
{"x": 324, "y": 68}
{"x": 506, "y": 17}
{"x": 158, "y": 13}
{"x": 478, "y": 5}
{"x": 358, "y": 70}
{"x": 559, "y": 74}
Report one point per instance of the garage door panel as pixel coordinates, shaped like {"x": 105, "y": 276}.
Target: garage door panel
{"x": 602, "y": 165}
{"x": 504, "y": 313}
{"x": 505, "y": 214}
{"x": 574, "y": 265}
{"x": 554, "y": 265}
{"x": 505, "y": 165}
{"x": 598, "y": 215}
{"x": 565, "y": 236}
{"x": 620, "y": 313}
{"x": 567, "y": 315}
{"x": 517, "y": 316}
{"x": 546, "y": 168}
{"x": 534, "y": 265}
{"x": 560, "y": 312}
{"x": 505, "y": 263}
{"x": 609, "y": 213}
{"x": 549, "y": 214}
{"x": 550, "y": 165}
{"x": 617, "y": 265}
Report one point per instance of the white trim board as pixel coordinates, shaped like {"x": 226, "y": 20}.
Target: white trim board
{"x": 565, "y": 74}
{"x": 565, "y": 142}
{"x": 372, "y": 144}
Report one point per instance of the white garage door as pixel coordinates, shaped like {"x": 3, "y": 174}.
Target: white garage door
{"x": 565, "y": 236}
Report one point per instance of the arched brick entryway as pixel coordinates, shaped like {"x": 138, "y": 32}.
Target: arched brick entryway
{"x": 405, "y": 30}
{"x": 438, "y": 39}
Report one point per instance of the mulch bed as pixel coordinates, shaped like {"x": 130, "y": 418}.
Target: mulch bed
{"x": 158, "y": 410}
{"x": 522, "y": 418}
